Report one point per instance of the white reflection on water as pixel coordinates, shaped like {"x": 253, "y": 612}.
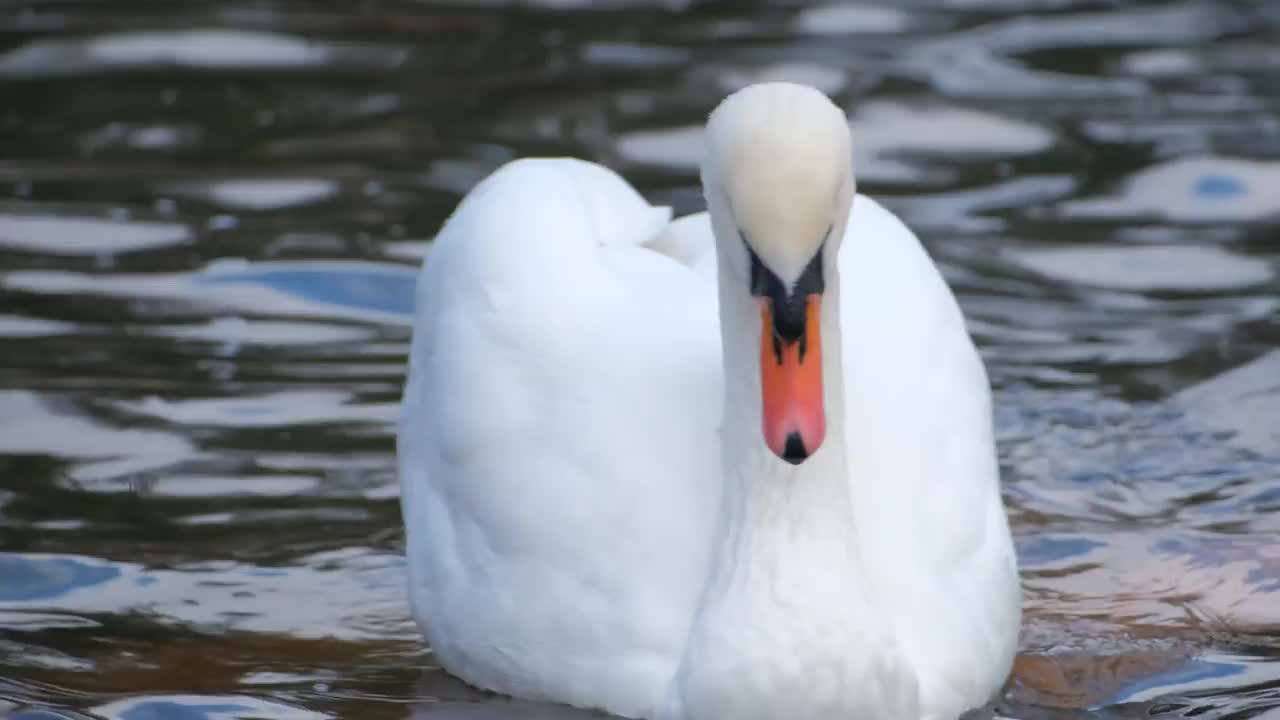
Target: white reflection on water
{"x": 17, "y": 326}
{"x": 276, "y": 409}
{"x": 195, "y": 486}
{"x": 883, "y": 131}
{"x": 63, "y": 235}
{"x": 849, "y": 19}
{"x": 202, "y": 707}
{"x": 258, "y": 193}
{"x": 207, "y": 49}
{"x": 103, "y": 454}
{"x": 1147, "y": 268}
{"x": 975, "y": 210}
{"x": 233, "y": 332}
{"x": 1244, "y": 401}
{"x": 1192, "y": 190}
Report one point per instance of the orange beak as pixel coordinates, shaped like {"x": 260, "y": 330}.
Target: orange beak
{"x": 791, "y": 380}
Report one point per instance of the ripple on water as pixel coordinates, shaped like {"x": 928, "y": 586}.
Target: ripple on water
{"x": 203, "y": 49}
{"x": 277, "y": 409}
{"x": 1244, "y": 401}
{"x": 942, "y": 129}
{"x": 17, "y": 326}
{"x": 233, "y": 332}
{"x": 119, "y": 136}
{"x": 253, "y": 568}
{"x": 202, "y": 707}
{"x": 197, "y": 486}
{"x": 1188, "y": 268}
{"x": 850, "y": 19}
{"x": 408, "y": 250}
{"x": 1176, "y": 23}
{"x": 1192, "y": 62}
{"x": 1183, "y": 581}
{"x": 101, "y": 454}
{"x": 828, "y": 79}
{"x": 975, "y": 210}
{"x": 1164, "y": 62}
{"x": 258, "y": 194}
{"x": 677, "y": 148}
{"x": 376, "y": 292}
{"x": 883, "y": 131}
{"x": 983, "y": 61}
{"x": 352, "y": 594}
{"x": 1214, "y": 674}
{"x": 63, "y": 235}
{"x": 587, "y": 5}
{"x": 887, "y": 132}
{"x": 1191, "y": 190}
{"x": 605, "y": 54}
{"x": 1115, "y": 551}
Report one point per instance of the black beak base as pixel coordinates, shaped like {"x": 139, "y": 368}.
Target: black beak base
{"x": 787, "y": 304}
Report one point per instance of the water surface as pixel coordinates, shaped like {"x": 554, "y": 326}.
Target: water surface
{"x": 211, "y": 216}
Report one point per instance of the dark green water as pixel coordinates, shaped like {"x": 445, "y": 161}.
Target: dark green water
{"x": 210, "y": 218}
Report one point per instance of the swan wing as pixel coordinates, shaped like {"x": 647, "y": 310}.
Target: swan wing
{"x": 690, "y": 241}
{"x": 558, "y": 451}
{"x": 925, "y": 482}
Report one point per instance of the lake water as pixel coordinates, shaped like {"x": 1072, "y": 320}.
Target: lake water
{"x": 210, "y": 219}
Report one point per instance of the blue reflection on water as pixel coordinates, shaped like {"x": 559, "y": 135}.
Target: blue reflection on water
{"x": 366, "y": 287}
{"x": 1219, "y": 186}
{"x": 1190, "y": 672}
{"x": 1043, "y": 549}
{"x": 169, "y": 710}
{"x": 1264, "y": 579}
{"x": 26, "y": 578}
{"x": 197, "y": 707}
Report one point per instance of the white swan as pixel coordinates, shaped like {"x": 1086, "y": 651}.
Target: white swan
{"x": 678, "y": 476}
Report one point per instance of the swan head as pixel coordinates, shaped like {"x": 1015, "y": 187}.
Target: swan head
{"x": 779, "y": 182}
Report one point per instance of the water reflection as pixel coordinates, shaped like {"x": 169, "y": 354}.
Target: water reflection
{"x": 1148, "y": 269}
{"x": 1192, "y": 190}
{"x": 195, "y": 707}
{"x": 101, "y": 453}
{"x": 887, "y": 134}
{"x": 211, "y": 218}
{"x": 208, "y": 49}
{"x": 83, "y": 236}
{"x": 258, "y": 193}
{"x": 340, "y": 290}
{"x": 28, "y": 580}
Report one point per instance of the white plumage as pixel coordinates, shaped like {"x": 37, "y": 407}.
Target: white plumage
{"x": 592, "y": 514}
